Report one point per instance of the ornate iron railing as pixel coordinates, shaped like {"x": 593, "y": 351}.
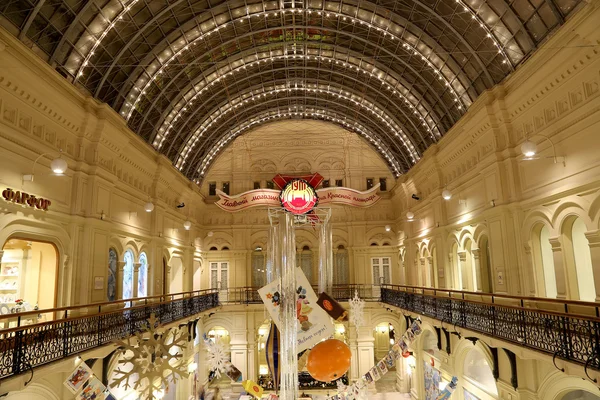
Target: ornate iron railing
{"x": 73, "y": 330}
{"x": 569, "y": 330}
{"x": 249, "y": 295}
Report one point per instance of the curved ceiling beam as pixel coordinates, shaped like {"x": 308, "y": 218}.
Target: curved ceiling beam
{"x": 30, "y": 18}
{"x": 183, "y": 126}
{"x": 300, "y": 112}
{"x": 420, "y": 35}
{"x": 416, "y": 73}
{"x": 199, "y": 86}
{"x": 232, "y": 104}
{"x": 248, "y": 113}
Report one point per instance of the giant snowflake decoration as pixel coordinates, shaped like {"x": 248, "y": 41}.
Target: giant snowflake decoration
{"x": 155, "y": 360}
{"x": 357, "y": 306}
{"x": 216, "y": 356}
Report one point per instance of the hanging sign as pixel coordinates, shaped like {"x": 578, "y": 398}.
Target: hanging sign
{"x": 314, "y": 324}
{"x": 25, "y": 199}
{"x": 298, "y": 196}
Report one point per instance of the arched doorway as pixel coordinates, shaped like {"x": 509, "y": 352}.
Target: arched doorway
{"x": 28, "y": 272}
{"x": 580, "y": 395}
{"x": 543, "y": 261}
{"x": 580, "y": 274}
{"x": 478, "y": 377}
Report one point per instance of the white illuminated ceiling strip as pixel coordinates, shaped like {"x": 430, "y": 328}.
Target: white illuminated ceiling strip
{"x": 144, "y": 83}
{"x": 169, "y": 122}
{"x": 299, "y": 86}
{"x": 97, "y": 41}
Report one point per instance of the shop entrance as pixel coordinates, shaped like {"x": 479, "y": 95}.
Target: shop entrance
{"x": 28, "y": 276}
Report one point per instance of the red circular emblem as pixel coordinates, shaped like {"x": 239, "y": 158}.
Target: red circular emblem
{"x": 298, "y": 197}
{"x": 255, "y": 388}
{"x": 327, "y": 304}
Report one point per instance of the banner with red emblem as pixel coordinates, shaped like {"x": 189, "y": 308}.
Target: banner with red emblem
{"x": 298, "y": 195}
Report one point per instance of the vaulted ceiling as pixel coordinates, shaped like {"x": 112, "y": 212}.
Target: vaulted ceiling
{"x": 191, "y": 75}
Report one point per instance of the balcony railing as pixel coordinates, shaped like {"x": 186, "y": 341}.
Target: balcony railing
{"x": 32, "y": 339}
{"x": 565, "y": 329}
{"x": 249, "y": 294}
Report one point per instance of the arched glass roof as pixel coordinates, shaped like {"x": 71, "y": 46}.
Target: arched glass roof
{"x": 190, "y": 75}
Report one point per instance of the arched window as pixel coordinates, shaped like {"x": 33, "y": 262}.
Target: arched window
{"x": 580, "y": 395}
{"x": 340, "y": 266}
{"x": 479, "y": 372}
{"x": 259, "y": 269}
{"x": 111, "y": 286}
{"x": 143, "y": 276}
{"x": 583, "y": 261}
{"x": 128, "y": 275}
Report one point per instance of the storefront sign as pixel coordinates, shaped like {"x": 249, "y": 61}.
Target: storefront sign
{"x": 298, "y": 197}
{"x": 26, "y": 199}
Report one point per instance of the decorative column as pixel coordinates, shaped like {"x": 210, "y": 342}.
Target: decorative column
{"x": 477, "y": 286}
{"x": 594, "y": 243}
{"x": 559, "y": 268}
{"x": 533, "y": 282}
{"x": 136, "y": 278}
{"x": 353, "y": 344}
{"x": 431, "y": 273}
{"x": 120, "y": 271}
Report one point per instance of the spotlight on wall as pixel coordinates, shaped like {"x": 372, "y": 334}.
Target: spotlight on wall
{"x": 210, "y": 234}
{"x": 414, "y": 196}
{"x": 388, "y": 228}
{"x": 58, "y": 166}
{"x": 410, "y": 216}
{"x": 149, "y": 206}
{"x": 187, "y": 225}
{"x": 446, "y": 194}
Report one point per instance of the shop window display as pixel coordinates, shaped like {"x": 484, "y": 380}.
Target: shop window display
{"x": 25, "y": 265}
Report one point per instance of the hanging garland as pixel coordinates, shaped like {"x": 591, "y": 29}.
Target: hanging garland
{"x": 358, "y": 390}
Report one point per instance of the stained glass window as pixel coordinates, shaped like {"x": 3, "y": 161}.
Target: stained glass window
{"x": 111, "y": 287}
{"x": 143, "y": 276}
{"x": 128, "y": 275}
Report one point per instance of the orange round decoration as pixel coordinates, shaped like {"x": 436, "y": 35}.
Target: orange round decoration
{"x": 328, "y": 360}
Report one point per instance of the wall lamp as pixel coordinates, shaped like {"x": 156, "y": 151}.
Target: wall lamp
{"x": 187, "y": 225}
{"x": 149, "y": 206}
{"x": 529, "y": 150}
{"x": 446, "y": 194}
{"x": 58, "y": 166}
{"x": 388, "y": 228}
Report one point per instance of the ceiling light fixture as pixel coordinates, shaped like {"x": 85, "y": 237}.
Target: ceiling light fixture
{"x": 149, "y": 206}
{"x": 410, "y": 216}
{"x": 187, "y": 225}
{"x": 388, "y": 228}
{"x": 446, "y": 194}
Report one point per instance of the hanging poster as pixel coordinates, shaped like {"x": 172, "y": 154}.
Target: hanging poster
{"x": 432, "y": 381}
{"x": 78, "y": 378}
{"x": 313, "y": 323}
{"x": 93, "y": 389}
{"x": 469, "y": 395}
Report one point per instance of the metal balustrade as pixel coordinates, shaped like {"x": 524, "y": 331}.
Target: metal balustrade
{"x": 249, "y": 294}
{"x": 68, "y": 331}
{"x": 566, "y": 329}
{"x": 569, "y": 330}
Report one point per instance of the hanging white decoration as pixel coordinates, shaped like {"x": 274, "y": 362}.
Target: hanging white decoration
{"x": 216, "y": 356}
{"x": 357, "y": 306}
{"x": 341, "y": 387}
{"x": 155, "y": 360}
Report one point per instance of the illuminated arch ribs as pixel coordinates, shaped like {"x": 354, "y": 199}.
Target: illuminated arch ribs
{"x": 300, "y": 89}
{"x": 344, "y": 64}
{"x": 293, "y": 112}
{"x": 422, "y": 62}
